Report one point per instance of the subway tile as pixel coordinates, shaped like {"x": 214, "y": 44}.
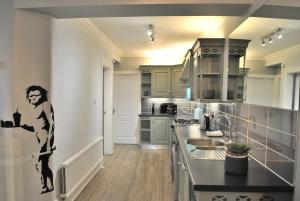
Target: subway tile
{"x": 258, "y": 114}
{"x": 241, "y": 110}
{"x": 280, "y": 165}
{"x": 283, "y": 120}
{"x": 257, "y": 151}
{"x": 283, "y": 143}
{"x": 222, "y": 107}
{"x": 257, "y": 133}
{"x": 240, "y": 126}
{"x": 231, "y": 108}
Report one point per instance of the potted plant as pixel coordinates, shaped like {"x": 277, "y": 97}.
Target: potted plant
{"x": 236, "y": 160}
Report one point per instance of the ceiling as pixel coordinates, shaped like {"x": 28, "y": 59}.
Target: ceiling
{"x": 175, "y": 35}
{"x": 254, "y": 28}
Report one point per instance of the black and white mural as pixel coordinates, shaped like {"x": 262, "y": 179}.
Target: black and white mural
{"x": 43, "y": 127}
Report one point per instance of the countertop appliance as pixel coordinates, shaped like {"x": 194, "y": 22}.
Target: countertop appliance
{"x": 169, "y": 108}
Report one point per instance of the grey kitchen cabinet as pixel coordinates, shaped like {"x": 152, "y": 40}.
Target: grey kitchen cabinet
{"x": 161, "y": 82}
{"x": 183, "y": 179}
{"x": 177, "y": 91}
{"x": 208, "y": 72}
{"x": 160, "y": 130}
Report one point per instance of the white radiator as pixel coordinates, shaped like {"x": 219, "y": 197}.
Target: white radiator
{"x": 80, "y": 168}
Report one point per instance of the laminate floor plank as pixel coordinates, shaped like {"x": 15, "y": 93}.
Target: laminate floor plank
{"x": 131, "y": 174}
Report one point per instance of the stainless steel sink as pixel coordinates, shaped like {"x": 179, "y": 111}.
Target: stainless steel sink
{"x": 214, "y": 148}
{"x": 206, "y": 149}
{"x": 204, "y": 142}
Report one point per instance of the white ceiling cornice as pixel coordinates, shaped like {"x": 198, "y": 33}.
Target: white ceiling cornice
{"x": 107, "y": 42}
{"x": 283, "y": 52}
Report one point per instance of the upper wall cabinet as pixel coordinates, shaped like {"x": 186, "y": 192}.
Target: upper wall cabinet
{"x": 161, "y": 81}
{"x": 236, "y": 69}
{"x": 177, "y": 90}
{"x": 207, "y": 77}
{"x": 208, "y": 56}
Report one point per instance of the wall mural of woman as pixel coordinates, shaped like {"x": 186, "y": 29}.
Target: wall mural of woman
{"x": 43, "y": 127}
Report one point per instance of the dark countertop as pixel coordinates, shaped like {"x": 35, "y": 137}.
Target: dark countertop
{"x": 209, "y": 175}
{"x": 156, "y": 115}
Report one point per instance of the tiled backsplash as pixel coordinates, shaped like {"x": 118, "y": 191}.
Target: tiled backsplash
{"x": 184, "y": 106}
{"x": 270, "y": 133}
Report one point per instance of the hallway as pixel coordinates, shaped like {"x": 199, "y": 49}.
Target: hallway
{"x": 131, "y": 174}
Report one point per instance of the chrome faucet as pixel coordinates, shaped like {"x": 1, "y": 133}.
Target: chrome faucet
{"x": 225, "y": 116}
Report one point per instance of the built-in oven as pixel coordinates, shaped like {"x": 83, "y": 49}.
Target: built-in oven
{"x": 174, "y": 160}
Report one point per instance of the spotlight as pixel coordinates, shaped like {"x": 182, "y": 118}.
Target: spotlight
{"x": 150, "y": 32}
{"x": 270, "y": 39}
{"x": 278, "y": 33}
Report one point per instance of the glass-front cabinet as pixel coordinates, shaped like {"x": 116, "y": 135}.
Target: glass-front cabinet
{"x": 236, "y": 70}
{"x": 208, "y": 74}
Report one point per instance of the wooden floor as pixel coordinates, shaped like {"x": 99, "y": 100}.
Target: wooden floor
{"x": 131, "y": 174}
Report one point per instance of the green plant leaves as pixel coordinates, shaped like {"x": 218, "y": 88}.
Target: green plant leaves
{"x": 238, "y": 148}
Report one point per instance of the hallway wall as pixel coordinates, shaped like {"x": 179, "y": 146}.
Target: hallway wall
{"x": 65, "y": 57}
{"x": 6, "y": 138}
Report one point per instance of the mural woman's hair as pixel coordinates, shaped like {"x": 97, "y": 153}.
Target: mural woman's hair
{"x": 44, "y": 93}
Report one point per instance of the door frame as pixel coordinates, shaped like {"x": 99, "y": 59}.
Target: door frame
{"x": 107, "y": 112}
{"x": 139, "y": 95}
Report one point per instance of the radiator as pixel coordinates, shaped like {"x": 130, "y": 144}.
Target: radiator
{"x": 80, "y": 168}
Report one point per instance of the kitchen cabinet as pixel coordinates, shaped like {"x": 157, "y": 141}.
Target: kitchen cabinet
{"x": 146, "y": 82}
{"x": 145, "y": 130}
{"x": 236, "y": 70}
{"x": 183, "y": 178}
{"x": 160, "y": 130}
{"x": 207, "y": 70}
{"x": 177, "y": 90}
{"x": 161, "y": 82}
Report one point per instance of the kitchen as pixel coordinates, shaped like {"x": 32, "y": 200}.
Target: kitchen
{"x": 249, "y": 91}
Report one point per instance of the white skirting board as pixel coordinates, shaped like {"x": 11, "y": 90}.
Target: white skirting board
{"x": 79, "y": 169}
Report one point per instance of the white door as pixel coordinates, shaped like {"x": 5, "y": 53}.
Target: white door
{"x": 126, "y": 108}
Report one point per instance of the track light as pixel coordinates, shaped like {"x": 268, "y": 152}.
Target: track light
{"x": 277, "y": 34}
{"x": 270, "y": 39}
{"x": 150, "y": 32}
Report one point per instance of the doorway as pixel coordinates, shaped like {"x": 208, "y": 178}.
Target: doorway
{"x": 126, "y": 107}
{"x": 107, "y": 113}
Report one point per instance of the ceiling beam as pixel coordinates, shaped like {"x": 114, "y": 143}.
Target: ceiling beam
{"x": 230, "y": 24}
{"x": 144, "y": 10}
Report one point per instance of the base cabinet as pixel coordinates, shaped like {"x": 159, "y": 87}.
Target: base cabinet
{"x": 160, "y": 130}
{"x": 183, "y": 179}
{"x": 242, "y": 196}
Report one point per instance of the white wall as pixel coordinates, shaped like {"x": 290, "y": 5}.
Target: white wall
{"x": 291, "y": 60}
{"x": 130, "y": 63}
{"x": 258, "y": 67}
{"x": 66, "y": 57}
{"x": 6, "y": 158}
{"x": 77, "y": 73}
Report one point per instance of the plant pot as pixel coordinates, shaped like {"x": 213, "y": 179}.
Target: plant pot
{"x": 236, "y": 164}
